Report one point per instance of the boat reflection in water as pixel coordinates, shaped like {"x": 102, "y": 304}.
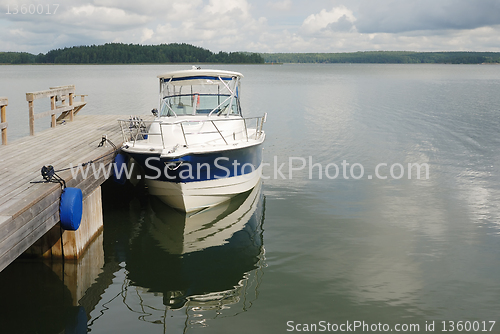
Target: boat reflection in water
{"x": 209, "y": 263}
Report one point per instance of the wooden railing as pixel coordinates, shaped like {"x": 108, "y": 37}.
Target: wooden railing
{"x": 60, "y": 93}
{"x": 3, "y": 119}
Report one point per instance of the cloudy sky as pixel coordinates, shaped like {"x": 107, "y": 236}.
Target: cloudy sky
{"x": 254, "y": 25}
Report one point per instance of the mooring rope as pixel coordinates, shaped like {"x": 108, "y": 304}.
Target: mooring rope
{"x": 49, "y": 173}
{"x": 101, "y": 144}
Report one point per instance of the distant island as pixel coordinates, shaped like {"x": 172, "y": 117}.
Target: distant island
{"x": 119, "y": 53}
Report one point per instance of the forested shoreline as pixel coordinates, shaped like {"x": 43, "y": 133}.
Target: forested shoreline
{"x": 118, "y": 53}
{"x": 386, "y": 57}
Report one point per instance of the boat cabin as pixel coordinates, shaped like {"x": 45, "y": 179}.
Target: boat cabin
{"x": 200, "y": 92}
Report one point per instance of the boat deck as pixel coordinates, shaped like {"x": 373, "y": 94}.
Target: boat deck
{"x": 28, "y": 210}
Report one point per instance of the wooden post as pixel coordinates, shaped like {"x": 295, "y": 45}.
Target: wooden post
{"x": 81, "y": 274}
{"x": 32, "y": 117}
{"x": 4, "y": 130}
{"x": 74, "y": 243}
{"x": 3, "y": 119}
{"x": 53, "y": 107}
{"x": 71, "y": 105}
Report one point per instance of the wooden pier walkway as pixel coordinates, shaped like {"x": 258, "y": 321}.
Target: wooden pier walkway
{"x": 29, "y": 210}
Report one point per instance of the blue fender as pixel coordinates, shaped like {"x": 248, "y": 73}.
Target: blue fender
{"x": 71, "y": 208}
{"x": 120, "y": 166}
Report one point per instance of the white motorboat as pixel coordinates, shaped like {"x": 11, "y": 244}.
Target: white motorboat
{"x": 199, "y": 150}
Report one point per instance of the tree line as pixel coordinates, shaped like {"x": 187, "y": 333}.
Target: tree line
{"x": 386, "y": 57}
{"x": 118, "y": 53}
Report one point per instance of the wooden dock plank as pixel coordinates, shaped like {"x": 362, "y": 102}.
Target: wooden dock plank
{"x": 28, "y": 210}
{"x": 14, "y": 196}
{"x": 11, "y": 158}
{"x": 24, "y": 244}
{"x": 71, "y": 130}
{"x": 12, "y": 187}
{"x": 60, "y": 155}
{"x": 4, "y": 219}
{"x": 21, "y": 233}
{"x": 21, "y": 192}
{"x": 26, "y": 173}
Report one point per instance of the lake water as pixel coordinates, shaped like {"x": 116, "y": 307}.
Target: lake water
{"x": 342, "y": 233}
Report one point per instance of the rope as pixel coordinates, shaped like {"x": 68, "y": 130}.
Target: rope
{"x": 101, "y": 144}
{"x": 104, "y": 139}
{"x": 49, "y": 174}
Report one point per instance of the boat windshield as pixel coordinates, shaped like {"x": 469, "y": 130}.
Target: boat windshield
{"x": 211, "y": 96}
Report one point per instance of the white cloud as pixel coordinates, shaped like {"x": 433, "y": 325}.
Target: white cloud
{"x": 102, "y": 18}
{"x": 258, "y": 26}
{"x": 147, "y": 34}
{"x": 284, "y": 5}
{"x": 316, "y": 23}
{"x": 404, "y": 16}
{"x": 221, "y": 7}
{"x": 219, "y": 25}
{"x": 171, "y": 9}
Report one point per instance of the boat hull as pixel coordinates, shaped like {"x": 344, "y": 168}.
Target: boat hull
{"x": 200, "y": 180}
{"x": 191, "y": 196}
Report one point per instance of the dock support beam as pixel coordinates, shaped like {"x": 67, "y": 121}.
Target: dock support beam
{"x": 79, "y": 275}
{"x": 70, "y": 245}
{"x": 75, "y": 242}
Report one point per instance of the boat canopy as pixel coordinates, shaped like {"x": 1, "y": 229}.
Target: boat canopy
{"x": 178, "y": 76}
{"x": 197, "y": 91}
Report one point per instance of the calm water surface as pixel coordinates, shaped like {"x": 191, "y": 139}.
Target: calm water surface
{"x": 305, "y": 248}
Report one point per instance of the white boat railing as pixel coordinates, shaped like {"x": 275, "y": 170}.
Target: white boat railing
{"x": 136, "y": 130}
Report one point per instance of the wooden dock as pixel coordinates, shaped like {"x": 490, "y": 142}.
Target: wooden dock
{"x": 30, "y": 210}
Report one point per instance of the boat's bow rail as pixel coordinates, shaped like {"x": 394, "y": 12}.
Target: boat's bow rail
{"x": 169, "y": 135}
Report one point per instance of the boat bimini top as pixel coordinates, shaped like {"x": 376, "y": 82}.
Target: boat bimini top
{"x": 200, "y": 92}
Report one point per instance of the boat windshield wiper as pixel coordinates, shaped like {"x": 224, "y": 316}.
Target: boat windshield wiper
{"x": 172, "y": 110}
{"x": 217, "y": 108}
{"x": 229, "y": 97}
